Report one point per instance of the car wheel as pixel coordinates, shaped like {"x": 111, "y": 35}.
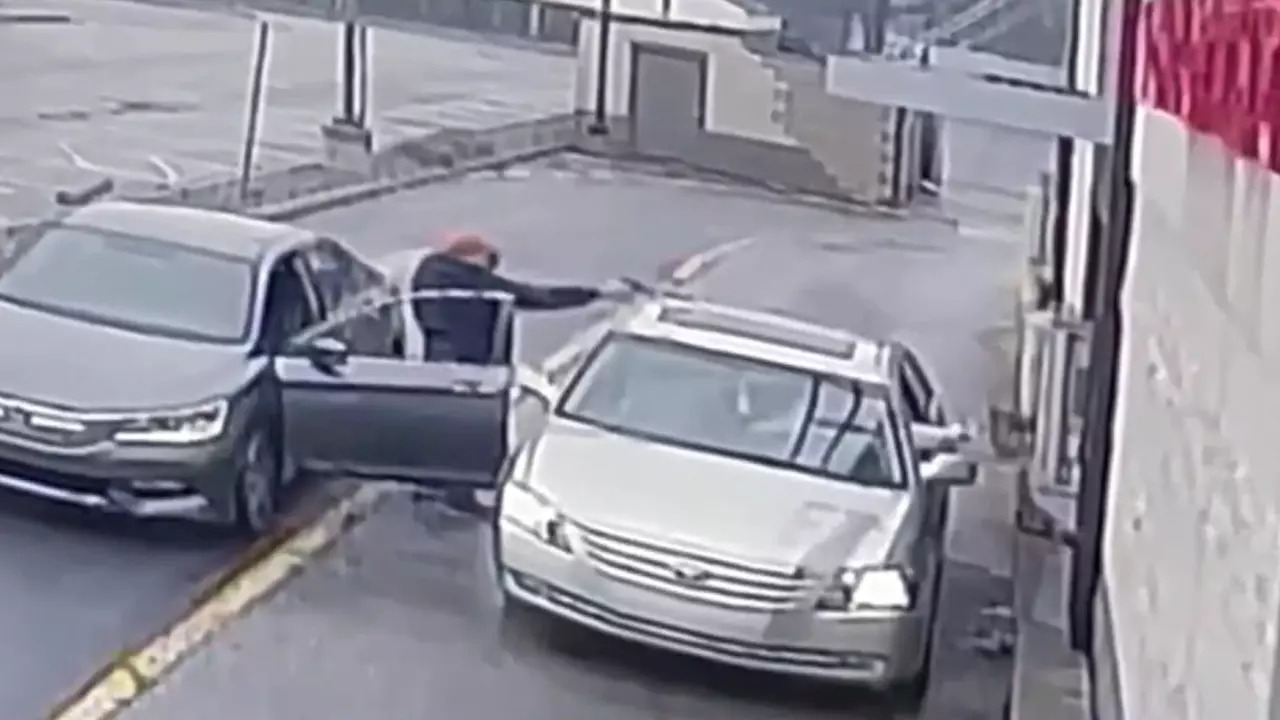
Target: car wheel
{"x": 523, "y": 629}
{"x": 910, "y": 694}
{"x": 258, "y": 487}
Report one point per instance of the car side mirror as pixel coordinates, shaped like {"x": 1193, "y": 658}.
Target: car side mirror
{"x": 930, "y": 440}
{"x": 327, "y": 353}
{"x": 534, "y": 383}
{"x": 949, "y": 469}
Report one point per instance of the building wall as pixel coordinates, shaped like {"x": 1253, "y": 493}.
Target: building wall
{"x": 1191, "y": 560}
{"x": 741, "y": 98}
{"x": 1192, "y": 556}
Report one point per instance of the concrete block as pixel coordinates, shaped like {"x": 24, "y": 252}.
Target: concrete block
{"x": 347, "y": 146}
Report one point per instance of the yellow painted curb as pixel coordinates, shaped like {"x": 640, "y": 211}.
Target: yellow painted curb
{"x": 131, "y": 675}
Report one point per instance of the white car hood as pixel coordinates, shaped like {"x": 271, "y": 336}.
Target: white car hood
{"x": 718, "y": 505}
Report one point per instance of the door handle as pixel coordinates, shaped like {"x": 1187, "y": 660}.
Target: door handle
{"x": 468, "y": 387}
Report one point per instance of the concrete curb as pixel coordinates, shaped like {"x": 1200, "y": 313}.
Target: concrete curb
{"x": 291, "y": 192}
{"x": 34, "y": 17}
{"x": 344, "y": 196}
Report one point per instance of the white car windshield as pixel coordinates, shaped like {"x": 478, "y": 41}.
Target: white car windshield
{"x": 738, "y": 407}
{"x": 136, "y": 283}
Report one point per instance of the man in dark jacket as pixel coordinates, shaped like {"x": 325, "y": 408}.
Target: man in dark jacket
{"x": 465, "y": 329}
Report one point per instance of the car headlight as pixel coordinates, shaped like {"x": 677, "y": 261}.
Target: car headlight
{"x": 179, "y": 427}
{"x": 527, "y": 509}
{"x": 876, "y": 588}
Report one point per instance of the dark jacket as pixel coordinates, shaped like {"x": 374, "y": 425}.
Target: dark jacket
{"x": 463, "y": 329}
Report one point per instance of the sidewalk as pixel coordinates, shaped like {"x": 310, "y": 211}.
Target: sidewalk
{"x": 398, "y": 620}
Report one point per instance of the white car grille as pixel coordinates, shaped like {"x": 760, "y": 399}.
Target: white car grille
{"x": 693, "y": 576}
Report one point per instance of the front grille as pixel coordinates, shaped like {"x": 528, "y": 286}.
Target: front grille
{"x": 698, "y": 641}
{"x": 694, "y": 576}
{"x": 51, "y": 478}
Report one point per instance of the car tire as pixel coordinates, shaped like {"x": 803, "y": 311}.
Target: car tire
{"x": 910, "y": 694}
{"x": 522, "y": 628}
{"x": 258, "y": 483}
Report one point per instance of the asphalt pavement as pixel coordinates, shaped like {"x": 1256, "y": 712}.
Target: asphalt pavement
{"x": 157, "y": 95}
{"x": 398, "y": 620}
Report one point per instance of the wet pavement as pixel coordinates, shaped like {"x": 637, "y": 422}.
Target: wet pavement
{"x": 150, "y": 95}
{"x": 399, "y": 619}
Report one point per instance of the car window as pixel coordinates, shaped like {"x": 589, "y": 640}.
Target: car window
{"x": 370, "y": 329}
{"x": 142, "y": 284}
{"x": 336, "y": 274}
{"x": 917, "y": 391}
{"x": 737, "y": 407}
{"x": 288, "y": 307}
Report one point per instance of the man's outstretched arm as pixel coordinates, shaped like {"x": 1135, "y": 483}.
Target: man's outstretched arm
{"x": 530, "y": 296}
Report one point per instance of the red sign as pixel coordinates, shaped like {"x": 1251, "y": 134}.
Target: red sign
{"x": 1216, "y": 65}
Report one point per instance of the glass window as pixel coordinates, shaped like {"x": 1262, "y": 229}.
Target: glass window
{"x": 738, "y": 407}
{"x": 334, "y": 274}
{"x": 141, "y": 284}
{"x": 371, "y": 330}
{"x": 917, "y": 391}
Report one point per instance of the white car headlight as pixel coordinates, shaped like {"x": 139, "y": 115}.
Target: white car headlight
{"x": 527, "y": 509}
{"x": 875, "y": 588}
{"x": 178, "y": 427}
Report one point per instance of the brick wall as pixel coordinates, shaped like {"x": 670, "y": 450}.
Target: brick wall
{"x": 1192, "y": 556}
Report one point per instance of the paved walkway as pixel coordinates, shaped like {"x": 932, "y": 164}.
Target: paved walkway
{"x": 151, "y": 94}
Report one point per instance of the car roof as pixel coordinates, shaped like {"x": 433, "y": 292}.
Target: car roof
{"x": 210, "y": 230}
{"x": 767, "y": 336}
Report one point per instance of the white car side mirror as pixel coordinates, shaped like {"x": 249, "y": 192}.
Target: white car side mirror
{"x": 951, "y": 438}
{"x": 534, "y": 382}
{"x": 949, "y": 470}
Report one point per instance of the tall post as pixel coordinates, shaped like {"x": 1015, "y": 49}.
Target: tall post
{"x": 877, "y": 27}
{"x": 600, "y": 125}
{"x": 1109, "y": 256}
{"x": 350, "y": 72}
{"x": 257, "y": 88}
{"x": 363, "y": 101}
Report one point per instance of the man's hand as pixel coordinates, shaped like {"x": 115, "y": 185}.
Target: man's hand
{"x": 616, "y": 291}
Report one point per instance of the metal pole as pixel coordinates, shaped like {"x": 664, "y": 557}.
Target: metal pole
{"x": 362, "y": 116}
{"x": 257, "y": 89}
{"x": 877, "y": 27}
{"x": 1109, "y": 257}
{"x": 600, "y": 125}
{"x": 349, "y": 72}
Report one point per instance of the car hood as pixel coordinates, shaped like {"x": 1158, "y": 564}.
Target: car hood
{"x": 79, "y": 365}
{"x": 709, "y": 503}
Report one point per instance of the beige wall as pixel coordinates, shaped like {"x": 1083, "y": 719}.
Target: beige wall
{"x": 742, "y": 93}
{"x": 1192, "y": 558}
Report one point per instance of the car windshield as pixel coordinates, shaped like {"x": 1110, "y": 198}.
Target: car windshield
{"x": 142, "y": 284}
{"x": 737, "y": 407}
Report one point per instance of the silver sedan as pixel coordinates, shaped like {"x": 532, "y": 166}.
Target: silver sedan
{"x": 736, "y": 486}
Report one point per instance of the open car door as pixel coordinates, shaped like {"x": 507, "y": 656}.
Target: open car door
{"x": 353, "y": 408}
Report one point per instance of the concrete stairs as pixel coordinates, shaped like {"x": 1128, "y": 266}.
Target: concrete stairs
{"x": 852, "y": 140}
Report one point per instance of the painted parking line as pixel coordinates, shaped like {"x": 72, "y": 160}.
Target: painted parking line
{"x": 134, "y": 672}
